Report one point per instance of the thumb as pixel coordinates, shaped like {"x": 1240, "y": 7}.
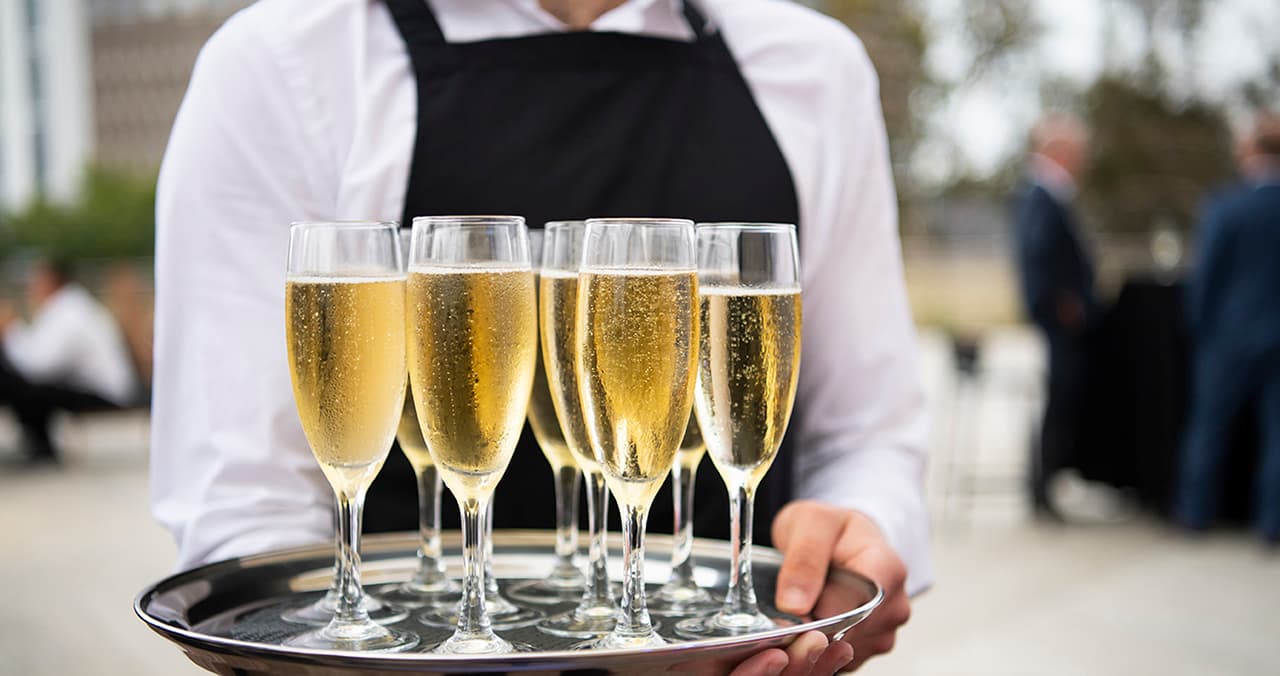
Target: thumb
{"x": 807, "y": 533}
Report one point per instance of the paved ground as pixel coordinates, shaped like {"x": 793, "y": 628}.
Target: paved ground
{"x": 1012, "y": 597}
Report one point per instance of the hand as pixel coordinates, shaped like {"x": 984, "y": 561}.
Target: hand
{"x": 808, "y": 655}
{"x": 815, "y": 536}
{"x": 1071, "y": 313}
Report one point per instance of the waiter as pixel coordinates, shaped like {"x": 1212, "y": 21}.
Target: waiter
{"x": 752, "y": 110}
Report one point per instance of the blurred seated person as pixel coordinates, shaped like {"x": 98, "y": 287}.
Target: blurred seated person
{"x": 1234, "y": 310}
{"x": 71, "y": 356}
{"x": 1056, "y": 275}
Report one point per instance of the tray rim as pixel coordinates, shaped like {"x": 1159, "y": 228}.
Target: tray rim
{"x": 187, "y": 638}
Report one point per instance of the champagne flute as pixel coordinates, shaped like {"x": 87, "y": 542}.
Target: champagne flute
{"x": 472, "y": 349}
{"x": 344, "y": 321}
{"x": 430, "y": 584}
{"x": 637, "y": 355}
{"x": 595, "y": 614}
{"x": 565, "y": 582}
{"x": 749, "y": 360}
{"x": 681, "y": 596}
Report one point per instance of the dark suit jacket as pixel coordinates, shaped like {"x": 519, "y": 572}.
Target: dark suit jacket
{"x": 1051, "y": 259}
{"x": 1234, "y": 293}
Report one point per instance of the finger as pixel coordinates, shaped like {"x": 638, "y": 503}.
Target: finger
{"x": 807, "y": 554}
{"x": 883, "y": 566}
{"x": 870, "y": 647}
{"x": 804, "y": 652}
{"x": 769, "y": 662}
{"x": 886, "y": 619}
{"x": 837, "y": 656}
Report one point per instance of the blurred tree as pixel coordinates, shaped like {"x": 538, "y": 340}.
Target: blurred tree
{"x": 114, "y": 218}
{"x": 1159, "y": 143}
{"x": 1153, "y": 159}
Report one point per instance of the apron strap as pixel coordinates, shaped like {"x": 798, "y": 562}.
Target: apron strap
{"x": 696, "y": 20}
{"x": 417, "y": 23}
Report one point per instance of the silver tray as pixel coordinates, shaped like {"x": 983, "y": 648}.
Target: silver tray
{"x": 223, "y": 615}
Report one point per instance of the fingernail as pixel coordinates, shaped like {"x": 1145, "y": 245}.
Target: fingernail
{"x": 776, "y": 668}
{"x": 794, "y": 598}
{"x": 814, "y": 655}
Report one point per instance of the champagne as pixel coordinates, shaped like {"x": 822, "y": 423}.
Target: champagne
{"x": 542, "y": 418}
{"x": 409, "y": 434}
{"x": 692, "y": 448}
{"x": 346, "y": 346}
{"x": 558, "y": 311}
{"x": 471, "y": 359}
{"x": 749, "y": 362}
{"x": 637, "y": 360}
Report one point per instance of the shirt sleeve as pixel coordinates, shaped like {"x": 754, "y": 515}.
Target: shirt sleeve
{"x": 231, "y": 473}
{"x": 861, "y": 409}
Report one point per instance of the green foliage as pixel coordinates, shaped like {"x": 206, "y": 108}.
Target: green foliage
{"x": 113, "y": 218}
{"x": 1153, "y": 160}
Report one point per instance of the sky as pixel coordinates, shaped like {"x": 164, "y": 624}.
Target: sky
{"x": 985, "y": 122}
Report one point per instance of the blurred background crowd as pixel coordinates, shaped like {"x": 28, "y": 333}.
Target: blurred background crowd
{"x": 1096, "y": 354}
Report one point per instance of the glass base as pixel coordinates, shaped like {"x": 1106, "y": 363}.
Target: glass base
{"x": 591, "y": 622}
{"x": 503, "y": 615}
{"x": 357, "y": 636}
{"x": 490, "y": 644}
{"x": 675, "y": 600}
{"x": 320, "y": 612}
{"x": 615, "y": 641}
{"x": 547, "y": 592}
{"x": 724, "y": 624}
{"x": 416, "y": 595}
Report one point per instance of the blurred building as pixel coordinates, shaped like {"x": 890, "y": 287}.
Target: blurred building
{"x": 92, "y": 81}
{"x": 46, "y": 104}
{"x": 143, "y": 52}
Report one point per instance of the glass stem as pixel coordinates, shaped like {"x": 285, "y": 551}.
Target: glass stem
{"x": 566, "y": 521}
{"x": 350, "y": 609}
{"x": 633, "y": 618}
{"x": 682, "y": 545}
{"x": 490, "y": 580}
{"x": 334, "y": 594}
{"x": 741, "y": 597}
{"x": 597, "y": 590}
{"x": 431, "y": 569}
{"x": 473, "y": 622}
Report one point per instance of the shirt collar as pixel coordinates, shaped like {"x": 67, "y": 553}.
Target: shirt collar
{"x": 662, "y": 18}
{"x": 1052, "y": 177}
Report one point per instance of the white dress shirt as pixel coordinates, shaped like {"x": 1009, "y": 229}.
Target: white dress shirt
{"x": 73, "y": 341}
{"x": 306, "y": 109}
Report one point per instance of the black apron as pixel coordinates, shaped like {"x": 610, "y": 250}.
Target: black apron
{"x": 576, "y": 125}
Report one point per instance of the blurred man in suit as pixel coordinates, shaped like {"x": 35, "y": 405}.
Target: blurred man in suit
{"x": 1234, "y": 309}
{"x": 1056, "y": 274}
